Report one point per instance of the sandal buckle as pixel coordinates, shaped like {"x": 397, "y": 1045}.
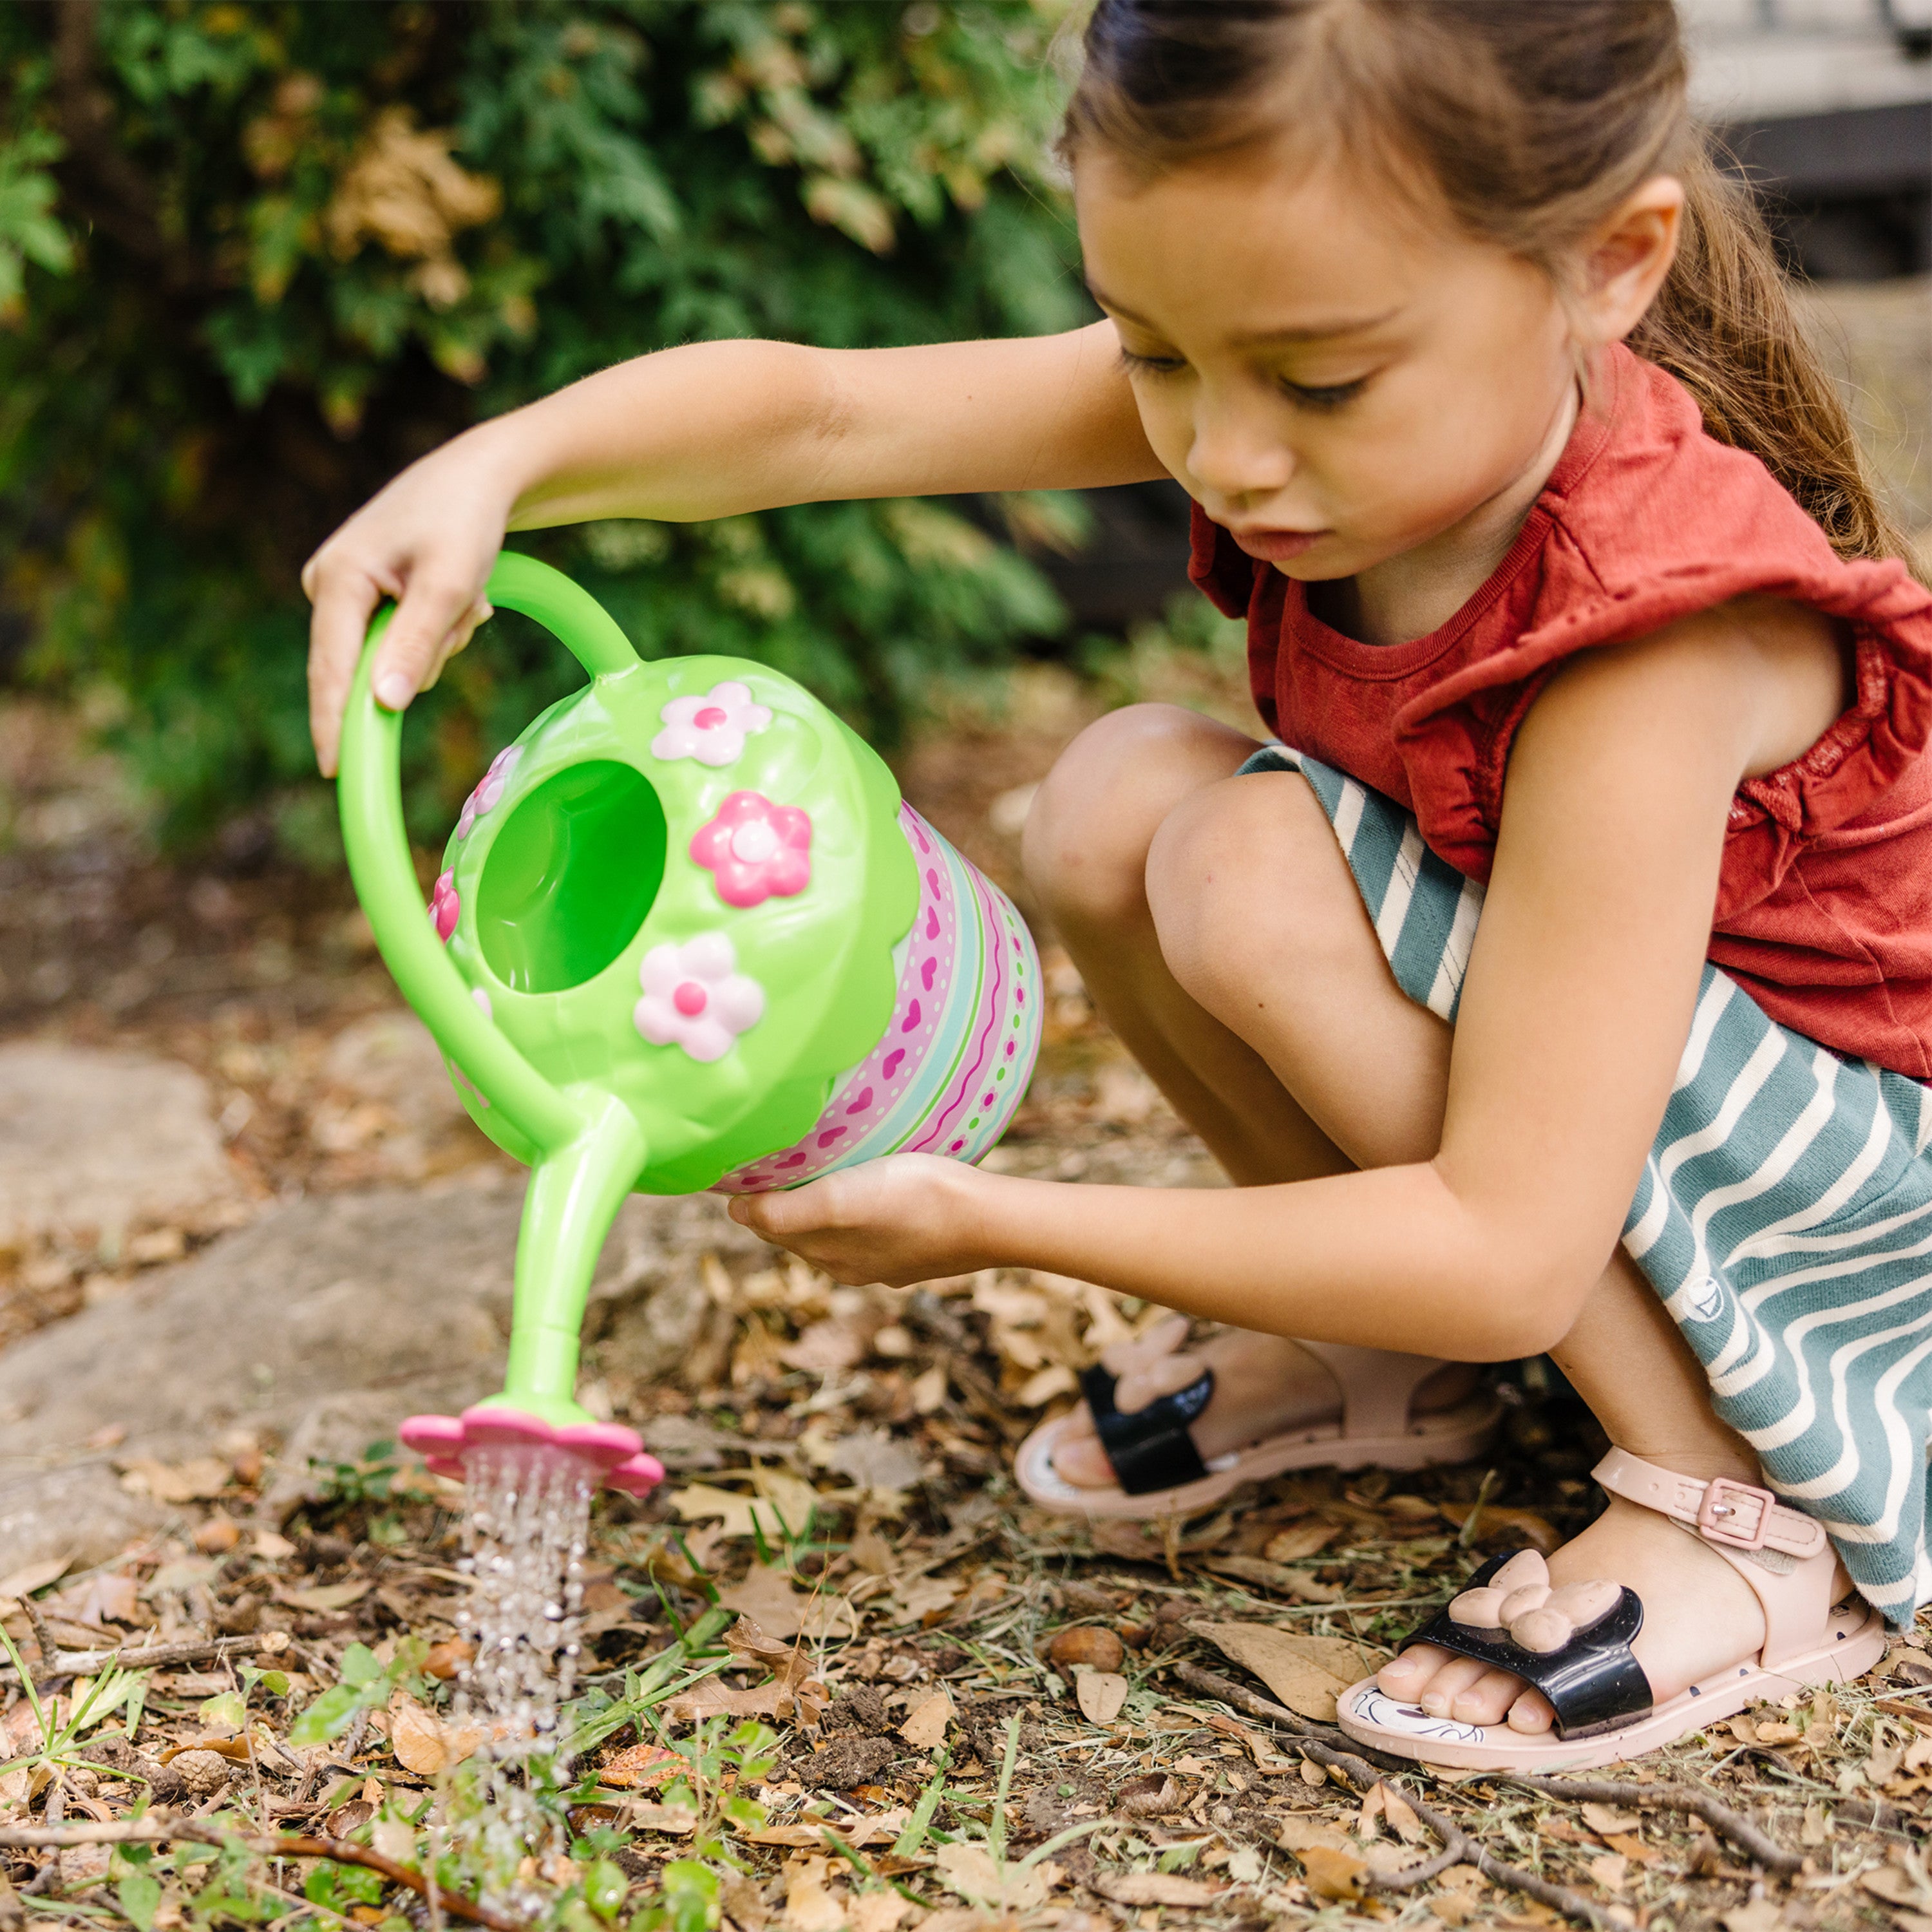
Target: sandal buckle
{"x": 1714, "y": 1513}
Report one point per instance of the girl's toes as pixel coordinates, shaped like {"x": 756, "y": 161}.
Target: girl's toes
{"x": 1078, "y": 1459}
{"x": 1487, "y": 1700}
{"x": 1530, "y": 1714}
{"x": 1439, "y": 1694}
{"x": 1404, "y": 1676}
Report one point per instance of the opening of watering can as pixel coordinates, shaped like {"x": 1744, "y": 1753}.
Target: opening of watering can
{"x": 570, "y": 877}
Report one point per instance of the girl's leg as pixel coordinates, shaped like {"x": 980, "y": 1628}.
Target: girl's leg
{"x": 1260, "y": 922}
{"x": 1086, "y": 852}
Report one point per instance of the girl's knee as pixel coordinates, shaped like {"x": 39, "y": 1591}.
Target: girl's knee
{"x": 1095, "y": 816}
{"x": 1244, "y": 878}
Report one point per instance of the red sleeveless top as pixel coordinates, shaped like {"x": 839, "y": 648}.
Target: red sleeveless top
{"x": 1824, "y": 908}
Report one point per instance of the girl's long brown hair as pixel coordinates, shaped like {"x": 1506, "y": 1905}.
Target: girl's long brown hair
{"x": 1532, "y": 120}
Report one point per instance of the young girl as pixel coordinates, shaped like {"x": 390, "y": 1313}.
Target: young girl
{"x": 1588, "y": 894}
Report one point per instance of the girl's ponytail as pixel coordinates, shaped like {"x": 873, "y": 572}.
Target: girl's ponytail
{"x": 1533, "y": 119}
{"x": 1724, "y": 325}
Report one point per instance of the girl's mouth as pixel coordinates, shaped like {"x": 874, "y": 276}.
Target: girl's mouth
{"x": 1277, "y": 546}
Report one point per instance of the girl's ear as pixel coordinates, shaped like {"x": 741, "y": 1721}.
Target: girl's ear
{"x": 1624, "y": 263}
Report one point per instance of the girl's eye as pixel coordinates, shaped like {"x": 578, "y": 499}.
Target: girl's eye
{"x": 1150, "y": 365}
{"x": 1331, "y": 397}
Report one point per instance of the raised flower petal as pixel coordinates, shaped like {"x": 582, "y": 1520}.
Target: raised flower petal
{"x": 712, "y": 728}
{"x": 695, "y": 997}
{"x": 445, "y": 906}
{"x": 489, "y": 789}
{"x": 755, "y": 849}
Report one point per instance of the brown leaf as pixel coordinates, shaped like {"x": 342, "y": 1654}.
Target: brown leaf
{"x": 810, "y": 1906}
{"x": 324, "y": 1596}
{"x": 925, "y": 1726}
{"x": 1401, "y": 1817}
{"x": 1634, "y": 1849}
{"x": 1333, "y": 1874}
{"x": 1299, "y": 1539}
{"x": 197, "y": 1480}
{"x": 424, "y": 1743}
{"x": 1100, "y": 1693}
{"x": 1306, "y": 1672}
{"x": 1159, "y": 1888}
{"x": 24, "y": 1582}
{"x": 1536, "y": 1531}
{"x": 642, "y": 1764}
{"x": 1298, "y": 1833}
{"x": 1602, "y": 1818}
{"x": 767, "y": 1596}
{"x": 1896, "y": 1887}
{"x": 1610, "y": 1870}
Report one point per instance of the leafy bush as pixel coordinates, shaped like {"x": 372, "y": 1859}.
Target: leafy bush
{"x": 254, "y": 258}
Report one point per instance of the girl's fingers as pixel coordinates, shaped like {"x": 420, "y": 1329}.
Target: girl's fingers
{"x": 467, "y": 626}
{"x": 435, "y": 600}
{"x": 345, "y": 600}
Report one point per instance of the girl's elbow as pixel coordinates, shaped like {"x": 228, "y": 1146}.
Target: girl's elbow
{"x": 1533, "y": 1314}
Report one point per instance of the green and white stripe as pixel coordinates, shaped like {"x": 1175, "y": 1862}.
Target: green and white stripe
{"x": 1784, "y": 1215}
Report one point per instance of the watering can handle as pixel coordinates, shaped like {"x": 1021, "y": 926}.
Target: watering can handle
{"x": 369, "y": 794}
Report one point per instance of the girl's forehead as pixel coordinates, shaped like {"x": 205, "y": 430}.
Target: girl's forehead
{"x": 1254, "y": 246}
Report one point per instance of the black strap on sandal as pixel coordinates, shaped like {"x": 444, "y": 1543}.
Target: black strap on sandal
{"x": 1593, "y": 1684}
{"x": 1150, "y": 1449}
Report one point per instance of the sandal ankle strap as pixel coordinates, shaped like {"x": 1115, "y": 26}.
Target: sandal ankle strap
{"x": 1723, "y": 1511}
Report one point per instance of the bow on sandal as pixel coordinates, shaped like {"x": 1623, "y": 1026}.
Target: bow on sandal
{"x": 1160, "y": 1472}
{"x": 1573, "y": 1643}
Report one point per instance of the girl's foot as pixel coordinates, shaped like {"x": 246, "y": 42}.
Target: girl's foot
{"x": 1700, "y": 1616}
{"x": 1264, "y": 1387}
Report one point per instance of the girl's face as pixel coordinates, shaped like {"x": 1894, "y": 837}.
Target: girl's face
{"x": 1333, "y": 378}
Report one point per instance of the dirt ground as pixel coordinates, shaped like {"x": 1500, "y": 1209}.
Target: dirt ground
{"x": 978, "y": 1715}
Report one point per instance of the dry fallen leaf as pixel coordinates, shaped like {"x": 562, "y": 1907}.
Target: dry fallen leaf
{"x": 1603, "y": 1818}
{"x": 642, "y": 1764}
{"x": 810, "y": 1905}
{"x": 878, "y": 1912}
{"x": 971, "y": 1871}
{"x": 1610, "y": 1870}
{"x": 197, "y": 1480}
{"x": 324, "y": 1596}
{"x": 1299, "y": 1539}
{"x": 1298, "y": 1833}
{"x": 424, "y": 1743}
{"x": 1333, "y": 1874}
{"x": 925, "y": 1726}
{"x": 1159, "y": 1888}
{"x": 1306, "y": 1672}
{"x": 781, "y": 1505}
{"x": 24, "y": 1582}
{"x": 766, "y": 1596}
{"x": 1400, "y": 1817}
{"x": 1100, "y": 1693}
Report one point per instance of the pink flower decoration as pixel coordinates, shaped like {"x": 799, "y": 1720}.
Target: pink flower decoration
{"x": 489, "y": 788}
{"x": 756, "y": 849}
{"x": 444, "y": 906}
{"x": 695, "y": 997}
{"x": 711, "y": 729}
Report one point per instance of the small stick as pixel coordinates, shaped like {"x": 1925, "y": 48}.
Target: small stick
{"x": 44, "y": 1640}
{"x": 158, "y": 1826}
{"x": 1458, "y": 1847}
{"x": 84, "y": 1663}
{"x": 1734, "y": 1825}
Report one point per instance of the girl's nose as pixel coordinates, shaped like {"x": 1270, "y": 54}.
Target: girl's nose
{"x": 1235, "y": 458}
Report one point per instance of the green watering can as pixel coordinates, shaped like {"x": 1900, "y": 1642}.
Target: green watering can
{"x": 687, "y": 936}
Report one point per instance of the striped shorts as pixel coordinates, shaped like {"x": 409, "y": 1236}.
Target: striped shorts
{"x": 1784, "y": 1215}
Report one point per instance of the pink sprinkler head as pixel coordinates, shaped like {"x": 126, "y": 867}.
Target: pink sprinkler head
{"x": 616, "y": 1453}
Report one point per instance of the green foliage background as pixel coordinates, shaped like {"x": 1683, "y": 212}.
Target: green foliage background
{"x": 255, "y": 258}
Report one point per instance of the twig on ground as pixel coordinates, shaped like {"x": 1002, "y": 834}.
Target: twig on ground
{"x": 1733, "y": 1824}
{"x": 158, "y": 1827}
{"x": 85, "y": 1663}
{"x": 1458, "y": 1847}
{"x": 48, "y": 1667}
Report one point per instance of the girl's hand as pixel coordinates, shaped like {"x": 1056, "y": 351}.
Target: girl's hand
{"x": 910, "y": 1217}
{"x": 427, "y": 541}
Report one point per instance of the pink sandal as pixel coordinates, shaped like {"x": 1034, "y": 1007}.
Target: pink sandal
{"x": 1162, "y": 1473}
{"x": 1573, "y": 1643}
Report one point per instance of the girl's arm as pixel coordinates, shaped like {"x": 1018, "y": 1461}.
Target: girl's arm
{"x": 712, "y": 430}
{"x": 1574, "y": 1012}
